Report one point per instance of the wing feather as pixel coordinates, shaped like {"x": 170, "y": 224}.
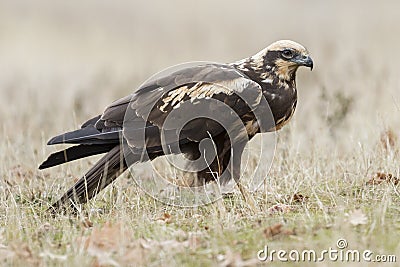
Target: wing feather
{"x": 196, "y": 85}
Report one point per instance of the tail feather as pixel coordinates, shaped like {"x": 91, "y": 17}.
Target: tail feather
{"x": 88, "y": 135}
{"x": 104, "y": 172}
{"x": 74, "y": 153}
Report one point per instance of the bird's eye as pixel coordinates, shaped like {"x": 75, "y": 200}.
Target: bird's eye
{"x": 288, "y": 54}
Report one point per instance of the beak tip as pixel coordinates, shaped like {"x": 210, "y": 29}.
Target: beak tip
{"x": 311, "y": 64}
{"x": 306, "y": 61}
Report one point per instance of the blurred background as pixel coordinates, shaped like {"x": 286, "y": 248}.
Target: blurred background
{"x": 63, "y": 62}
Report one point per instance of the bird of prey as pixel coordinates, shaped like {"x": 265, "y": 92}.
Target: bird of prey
{"x": 269, "y": 75}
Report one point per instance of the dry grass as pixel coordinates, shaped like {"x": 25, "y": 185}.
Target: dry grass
{"x": 336, "y": 165}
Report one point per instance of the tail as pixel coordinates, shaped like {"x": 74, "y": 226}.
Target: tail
{"x": 74, "y": 153}
{"x": 104, "y": 172}
{"x": 92, "y": 140}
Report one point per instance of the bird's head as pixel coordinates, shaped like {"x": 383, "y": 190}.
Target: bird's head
{"x": 282, "y": 59}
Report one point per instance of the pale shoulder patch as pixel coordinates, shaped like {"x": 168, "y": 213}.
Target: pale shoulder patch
{"x": 206, "y": 90}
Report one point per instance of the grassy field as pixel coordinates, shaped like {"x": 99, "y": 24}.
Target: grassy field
{"x": 336, "y": 166}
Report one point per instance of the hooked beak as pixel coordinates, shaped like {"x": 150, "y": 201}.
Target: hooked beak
{"x": 304, "y": 60}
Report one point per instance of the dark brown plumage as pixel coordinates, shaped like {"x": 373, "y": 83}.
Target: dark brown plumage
{"x": 135, "y": 121}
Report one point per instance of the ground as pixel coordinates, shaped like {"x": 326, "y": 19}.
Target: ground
{"x": 335, "y": 173}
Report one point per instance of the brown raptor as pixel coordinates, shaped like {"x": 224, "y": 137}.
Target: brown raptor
{"x": 137, "y": 121}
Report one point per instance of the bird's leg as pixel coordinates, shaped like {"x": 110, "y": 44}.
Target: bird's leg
{"x": 237, "y": 150}
{"x": 248, "y": 198}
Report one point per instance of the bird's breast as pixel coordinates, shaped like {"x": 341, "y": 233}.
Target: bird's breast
{"x": 282, "y": 103}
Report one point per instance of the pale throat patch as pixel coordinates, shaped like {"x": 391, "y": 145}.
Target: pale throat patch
{"x": 285, "y": 69}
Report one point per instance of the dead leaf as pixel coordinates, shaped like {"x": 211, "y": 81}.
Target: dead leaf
{"x": 388, "y": 139}
{"x": 166, "y": 218}
{"x": 381, "y": 177}
{"x": 109, "y": 237}
{"x": 136, "y": 254}
{"x": 86, "y": 223}
{"x": 273, "y": 230}
{"x": 103, "y": 242}
{"x": 107, "y": 242}
{"x": 23, "y": 251}
{"x": 235, "y": 260}
{"x": 297, "y": 198}
{"x": 357, "y": 217}
{"x": 277, "y": 229}
{"x": 280, "y": 208}
{"x": 113, "y": 245}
